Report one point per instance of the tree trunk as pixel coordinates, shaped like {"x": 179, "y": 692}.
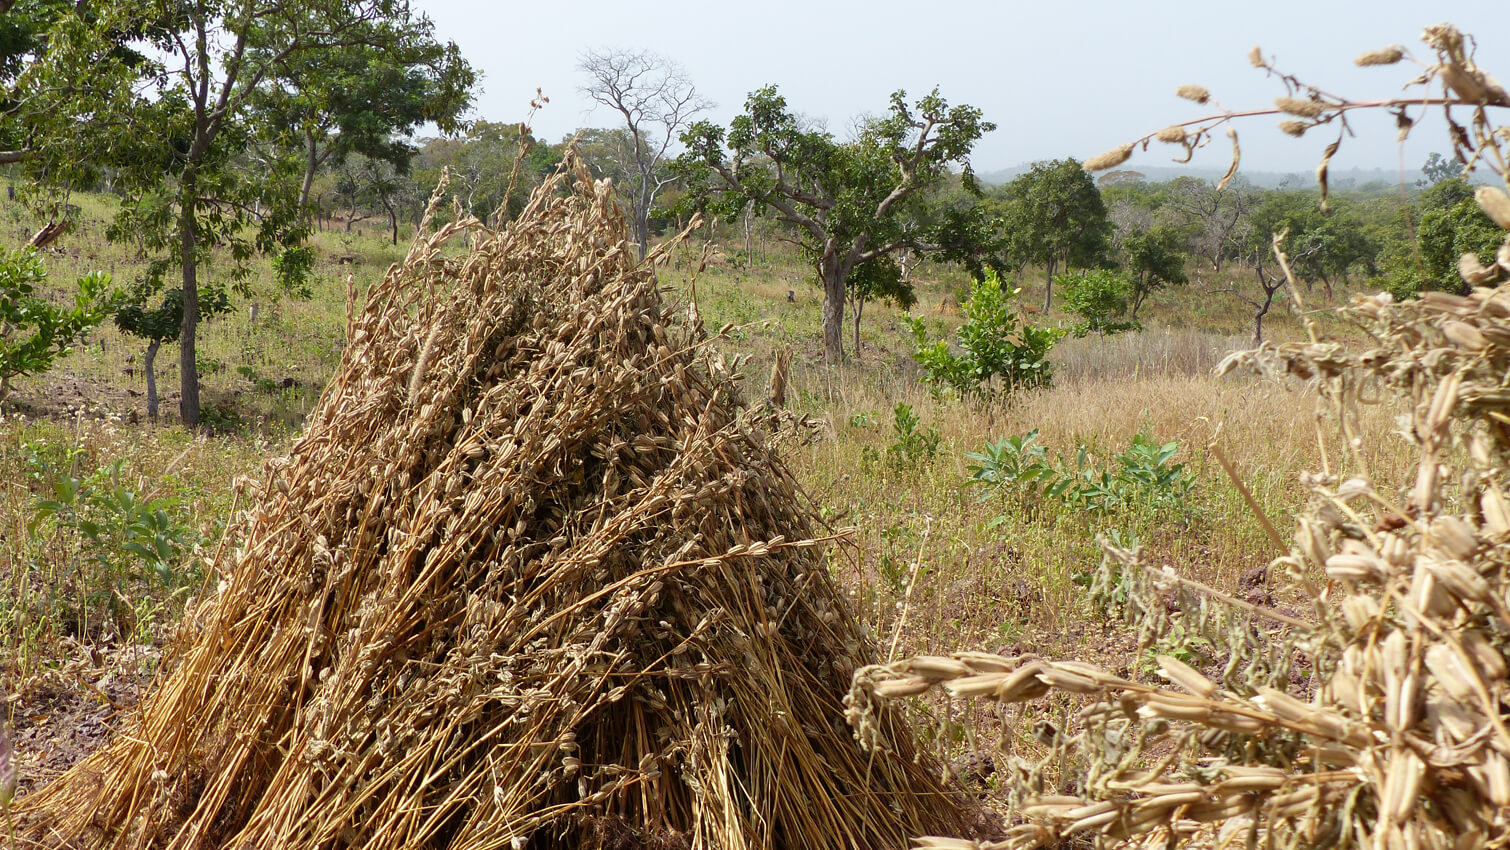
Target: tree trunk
{"x": 859, "y": 308}
{"x": 149, "y": 368}
{"x": 831, "y": 271}
{"x": 749, "y": 250}
{"x": 639, "y": 218}
{"x": 1048, "y": 284}
{"x": 188, "y": 404}
{"x": 311, "y": 163}
{"x": 1262, "y": 310}
{"x": 392, "y": 217}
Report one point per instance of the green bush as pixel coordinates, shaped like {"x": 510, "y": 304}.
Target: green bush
{"x": 117, "y": 540}
{"x": 995, "y": 342}
{"x": 1100, "y": 297}
{"x": 1452, "y": 224}
{"x": 1016, "y": 462}
{"x": 911, "y": 444}
{"x": 1141, "y": 478}
{"x": 33, "y": 332}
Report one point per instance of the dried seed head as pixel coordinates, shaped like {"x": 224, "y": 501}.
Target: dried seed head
{"x": 1297, "y": 106}
{"x": 1110, "y": 159}
{"x": 1199, "y": 94}
{"x": 1383, "y": 56}
{"x": 1171, "y": 135}
{"x": 1256, "y": 57}
{"x": 1474, "y": 272}
{"x": 1466, "y": 83}
{"x": 1495, "y": 203}
{"x": 1295, "y": 128}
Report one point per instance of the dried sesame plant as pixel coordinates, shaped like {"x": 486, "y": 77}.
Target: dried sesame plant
{"x": 1398, "y": 737}
{"x": 1452, "y": 83}
{"x": 532, "y": 577}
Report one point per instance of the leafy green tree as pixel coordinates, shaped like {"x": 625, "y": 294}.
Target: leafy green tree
{"x": 1442, "y": 238}
{"x": 1445, "y": 194}
{"x": 33, "y": 332}
{"x": 1424, "y": 241}
{"x": 995, "y": 341}
{"x": 181, "y": 131}
{"x": 1438, "y": 168}
{"x": 1054, "y": 217}
{"x": 24, "y": 27}
{"x": 1156, "y": 259}
{"x": 368, "y": 96}
{"x": 1322, "y": 246}
{"x": 849, "y": 202}
{"x": 1336, "y": 245}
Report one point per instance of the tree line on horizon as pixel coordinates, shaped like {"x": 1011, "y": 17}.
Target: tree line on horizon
{"x": 229, "y": 130}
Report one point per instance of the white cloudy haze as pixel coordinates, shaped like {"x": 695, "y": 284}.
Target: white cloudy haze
{"x": 1059, "y": 78}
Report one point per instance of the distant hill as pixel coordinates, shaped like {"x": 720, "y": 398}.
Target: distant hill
{"x": 1343, "y": 178}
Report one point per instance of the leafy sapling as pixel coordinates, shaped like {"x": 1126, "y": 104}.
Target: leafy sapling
{"x": 34, "y": 333}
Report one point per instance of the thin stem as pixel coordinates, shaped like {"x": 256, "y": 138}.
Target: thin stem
{"x": 1263, "y": 518}
{"x": 912, "y": 583}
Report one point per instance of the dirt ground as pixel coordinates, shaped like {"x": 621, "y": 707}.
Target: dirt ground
{"x": 60, "y": 717}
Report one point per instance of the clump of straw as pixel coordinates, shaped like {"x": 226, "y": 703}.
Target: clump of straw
{"x": 1402, "y": 741}
{"x": 531, "y": 578}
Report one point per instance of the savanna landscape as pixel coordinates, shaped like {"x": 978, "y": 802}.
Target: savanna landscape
{"x": 681, "y": 483}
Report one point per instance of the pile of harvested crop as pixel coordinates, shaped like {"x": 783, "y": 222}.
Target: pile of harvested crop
{"x": 531, "y": 578}
{"x": 1398, "y": 738}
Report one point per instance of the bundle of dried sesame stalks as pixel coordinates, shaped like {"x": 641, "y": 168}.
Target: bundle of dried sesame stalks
{"x": 531, "y": 578}
{"x": 1400, "y": 739}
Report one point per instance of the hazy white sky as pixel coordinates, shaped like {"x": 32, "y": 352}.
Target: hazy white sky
{"x": 1059, "y": 77}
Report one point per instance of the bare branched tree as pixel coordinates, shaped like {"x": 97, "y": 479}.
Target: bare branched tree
{"x": 656, "y": 100}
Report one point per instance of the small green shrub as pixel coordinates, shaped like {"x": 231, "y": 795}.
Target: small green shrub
{"x": 1020, "y": 462}
{"x": 996, "y": 341}
{"x": 910, "y": 444}
{"x": 894, "y": 560}
{"x": 115, "y": 539}
{"x": 35, "y": 333}
{"x": 221, "y": 418}
{"x": 293, "y": 269}
{"x": 1100, "y": 297}
{"x": 1142, "y": 478}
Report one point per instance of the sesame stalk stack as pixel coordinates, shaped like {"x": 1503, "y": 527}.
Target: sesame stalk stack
{"x": 531, "y": 578}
